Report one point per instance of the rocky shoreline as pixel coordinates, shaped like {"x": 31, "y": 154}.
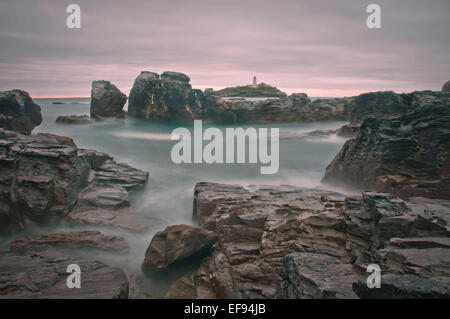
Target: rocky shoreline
{"x": 248, "y": 242}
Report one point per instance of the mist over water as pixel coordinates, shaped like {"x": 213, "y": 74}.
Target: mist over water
{"x": 168, "y": 196}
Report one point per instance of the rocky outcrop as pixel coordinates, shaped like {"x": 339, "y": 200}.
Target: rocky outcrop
{"x": 73, "y": 119}
{"x": 289, "y": 242}
{"x": 294, "y": 108}
{"x": 175, "y": 245}
{"x": 446, "y": 87}
{"x": 349, "y": 130}
{"x": 408, "y": 155}
{"x": 82, "y": 241}
{"x": 106, "y": 100}
{"x": 46, "y": 178}
{"x": 260, "y": 90}
{"x": 44, "y": 275}
{"x": 168, "y": 98}
{"x": 18, "y": 112}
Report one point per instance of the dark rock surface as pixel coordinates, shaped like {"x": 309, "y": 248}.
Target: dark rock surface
{"x": 446, "y": 87}
{"x": 349, "y": 130}
{"x": 18, "y": 112}
{"x": 177, "y": 244}
{"x": 106, "y": 100}
{"x": 44, "y": 275}
{"x": 407, "y": 155}
{"x": 45, "y": 178}
{"x": 73, "y": 119}
{"x": 280, "y": 242}
{"x": 261, "y": 90}
{"x": 82, "y": 241}
{"x": 404, "y": 287}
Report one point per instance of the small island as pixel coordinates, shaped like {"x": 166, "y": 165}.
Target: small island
{"x": 252, "y": 90}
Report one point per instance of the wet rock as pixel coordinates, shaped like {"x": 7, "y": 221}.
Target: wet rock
{"x": 446, "y": 87}
{"x": 73, "y": 241}
{"x": 349, "y": 130}
{"x": 403, "y": 287}
{"x": 106, "y": 100}
{"x": 44, "y": 275}
{"x": 18, "y": 112}
{"x": 308, "y": 277}
{"x": 73, "y": 119}
{"x": 407, "y": 155}
{"x": 334, "y": 238}
{"x": 46, "y": 178}
{"x": 175, "y": 245}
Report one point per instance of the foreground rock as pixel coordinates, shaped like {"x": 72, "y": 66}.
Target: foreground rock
{"x": 44, "y": 275}
{"x": 18, "y": 112}
{"x": 44, "y": 179}
{"x": 82, "y": 241}
{"x": 175, "y": 245}
{"x": 288, "y": 242}
{"x": 408, "y": 155}
{"x": 349, "y": 130}
{"x": 106, "y": 100}
{"x": 73, "y": 119}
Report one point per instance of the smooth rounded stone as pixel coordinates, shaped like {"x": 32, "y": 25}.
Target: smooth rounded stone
{"x": 82, "y": 241}
{"x": 349, "y": 130}
{"x": 44, "y": 276}
{"x": 73, "y": 119}
{"x": 176, "y": 245}
{"x": 18, "y": 112}
{"x": 406, "y": 155}
{"x": 403, "y": 287}
{"x": 106, "y": 99}
{"x": 309, "y": 277}
{"x": 446, "y": 87}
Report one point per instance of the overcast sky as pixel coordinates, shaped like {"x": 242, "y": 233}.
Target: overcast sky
{"x": 322, "y": 48}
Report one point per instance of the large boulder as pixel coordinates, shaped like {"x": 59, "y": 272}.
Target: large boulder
{"x": 106, "y": 100}
{"x": 408, "y": 155}
{"x": 18, "y": 112}
{"x": 175, "y": 245}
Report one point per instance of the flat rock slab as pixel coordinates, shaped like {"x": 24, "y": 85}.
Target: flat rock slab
{"x": 44, "y": 276}
{"x": 83, "y": 241}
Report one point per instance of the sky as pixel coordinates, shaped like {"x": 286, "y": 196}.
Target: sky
{"x": 323, "y": 47}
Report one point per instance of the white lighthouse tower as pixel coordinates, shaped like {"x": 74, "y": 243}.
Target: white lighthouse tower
{"x": 254, "y": 81}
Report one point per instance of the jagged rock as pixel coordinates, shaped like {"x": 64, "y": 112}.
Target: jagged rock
{"x": 18, "y": 112}
{"x": 44, "y": 179}
{"x": 258, "y": 227}
{"x": 349, "y": 130}
{"x": 446, "y": 87}
{"x": 106, "y": 100}
{"x": 408, "y": 155}
{"x": 44, "y": 275}
{"x": 308, "y": 277}
{"x": 73, "y": 119}
{"x": 175, "y": 245}
{"x": 82, "y": 241}
{"x": 403, "y": 287}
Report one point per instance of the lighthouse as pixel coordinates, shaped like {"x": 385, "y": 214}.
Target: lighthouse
{"x": 254, "y": 81}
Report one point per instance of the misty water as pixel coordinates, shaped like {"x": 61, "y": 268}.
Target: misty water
{"x": 169, "y": 192}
